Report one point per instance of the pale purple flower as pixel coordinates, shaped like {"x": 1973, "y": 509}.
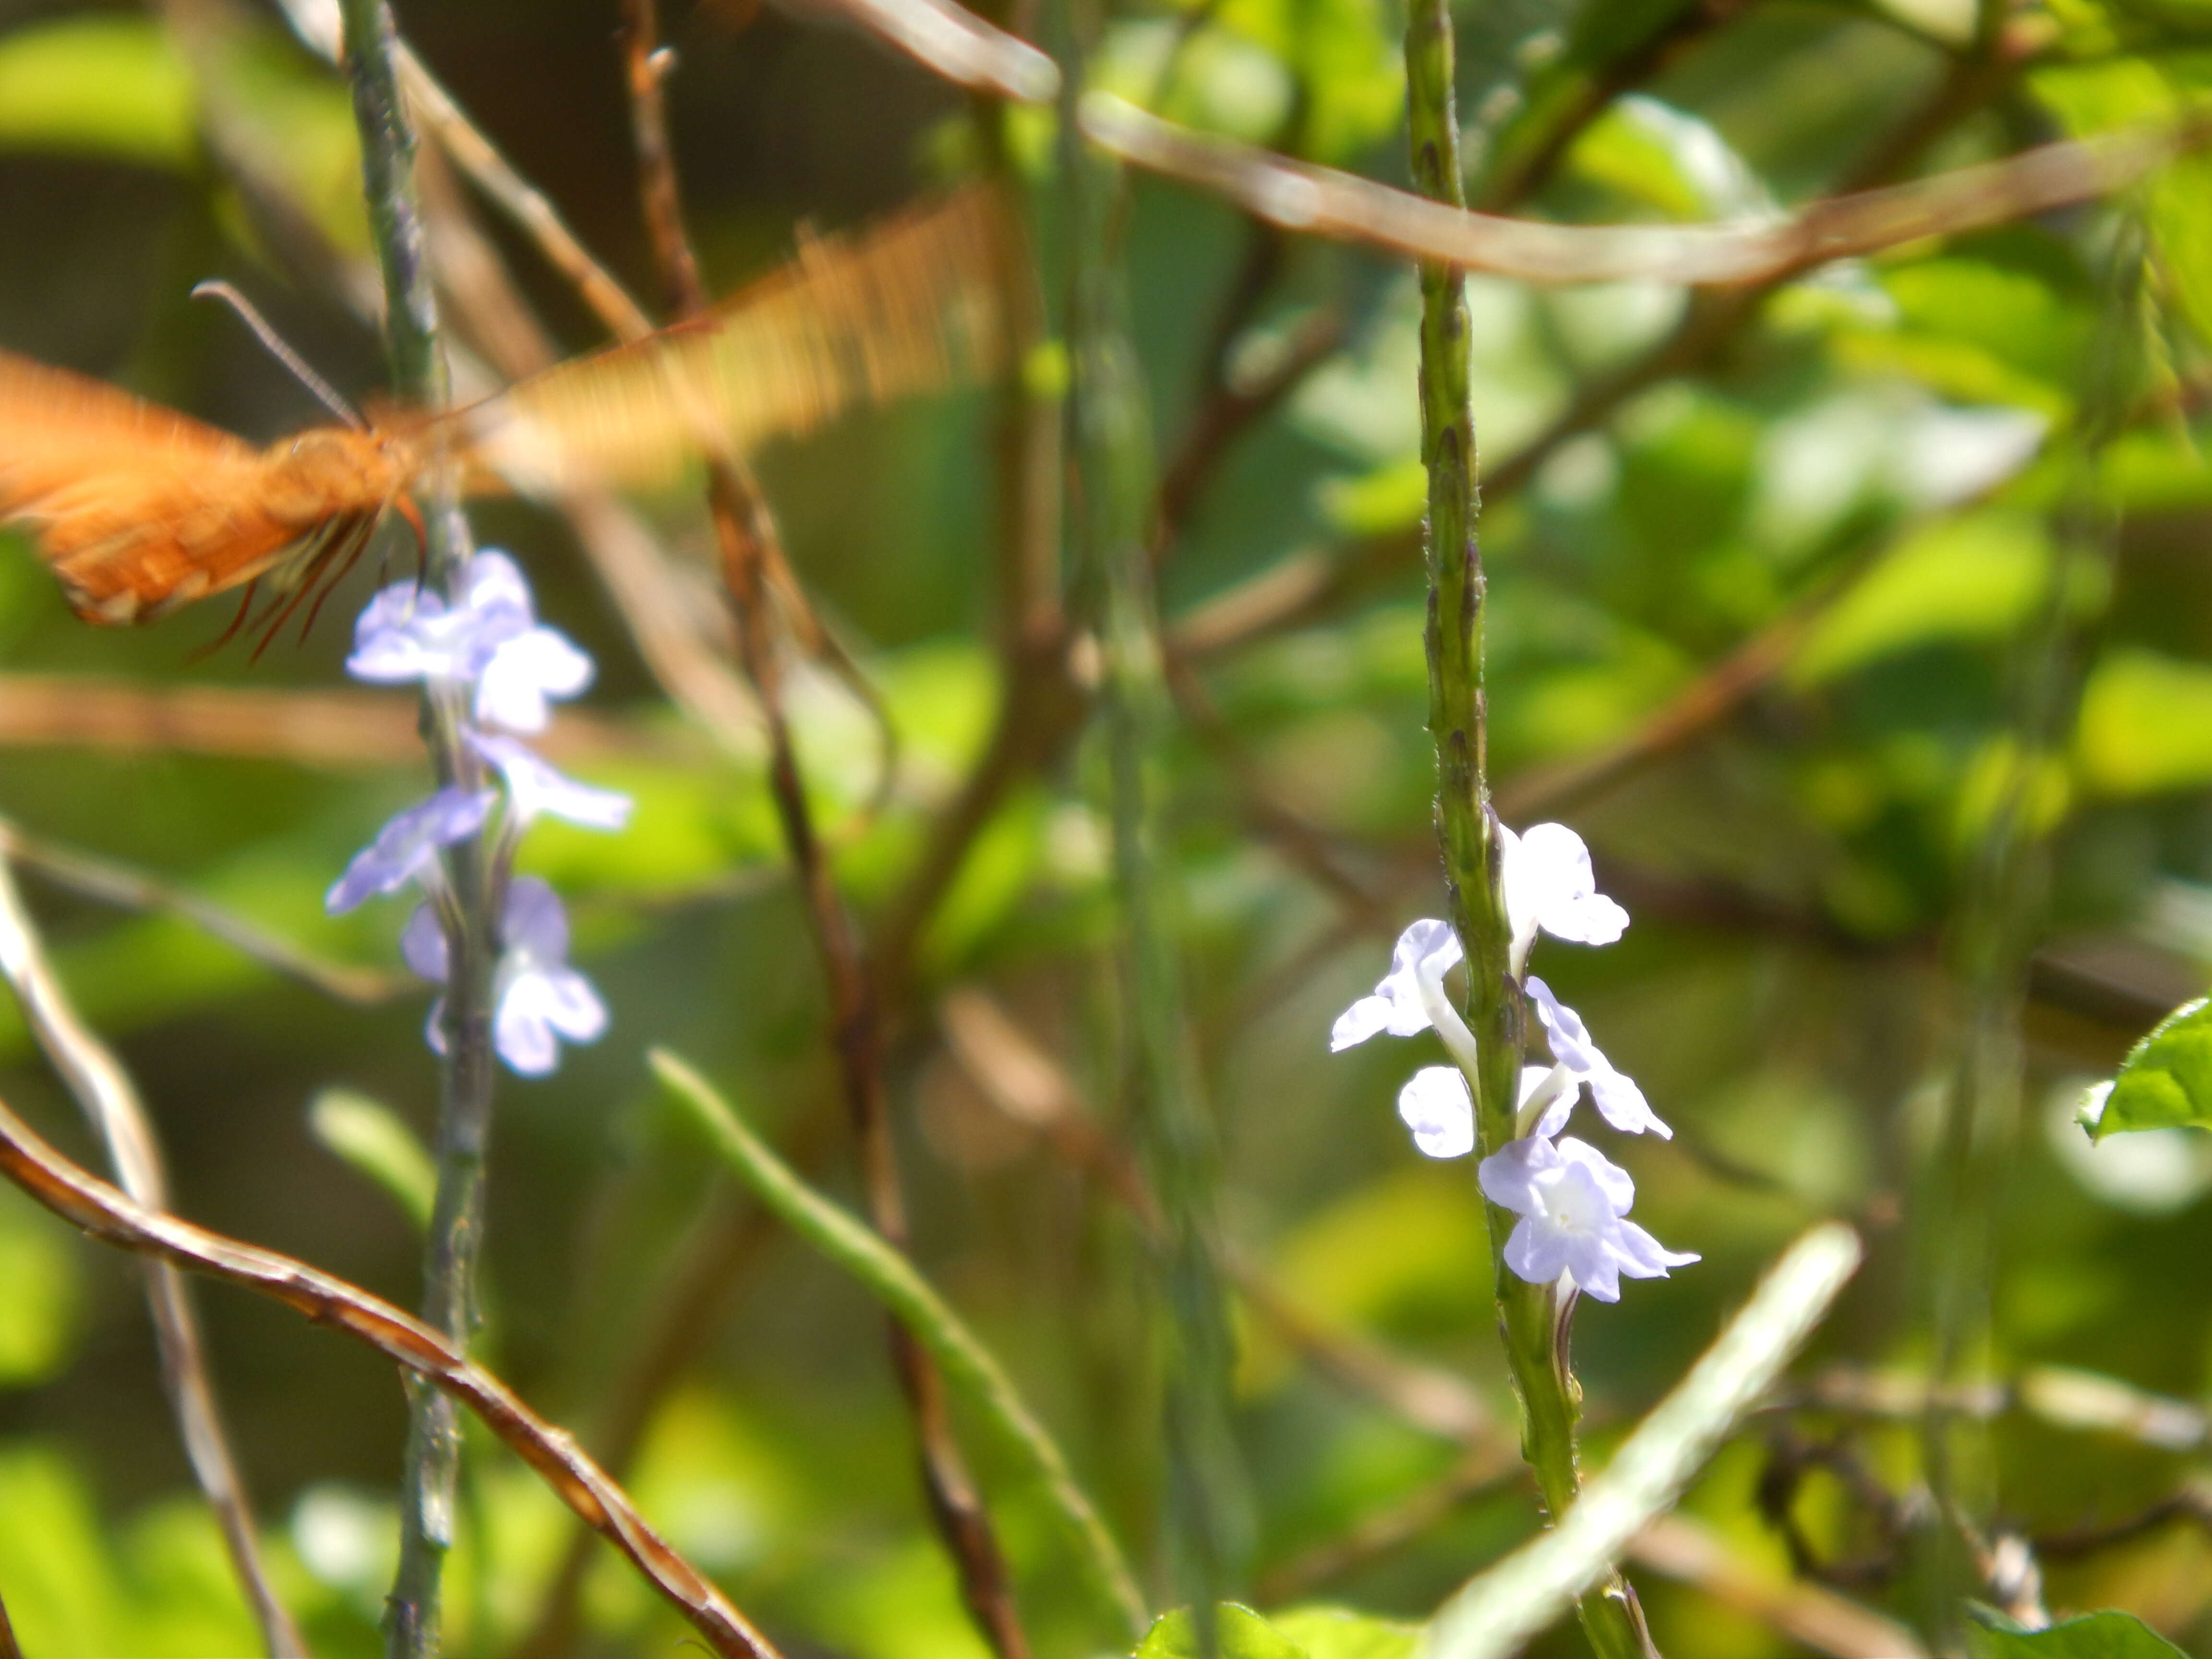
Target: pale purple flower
{"x": 1438, "y": 1107}
{"x": 538, "y": 999}
{"x": 1410, "y": 999}
{"x": 1573, "y": 1206}
{"x": 492, "y": 637}
{"x": 408, "y": 845}
{"x": 535, "y": 788}
{"x": 523, "y": 672}
{"x": 1614, "y": 1094}
{"x": 1549, "y": 885}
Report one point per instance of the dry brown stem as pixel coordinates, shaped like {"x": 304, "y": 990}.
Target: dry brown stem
{"x": 751, "y": 549}
{"x": 110, "y": 1101}
{"x": 90, "y": 1204}
{"x": 1322, "y": 201}
{"x": 951, "y": 41}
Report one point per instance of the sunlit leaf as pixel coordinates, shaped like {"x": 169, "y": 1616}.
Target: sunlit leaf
{"x": 378, "y": 1143}
{"x": 1970, "y": 578}
{"x": 1239, "y": 1633}
{"x": 39, "y": 1295}
{"x": 2165, "y": 1081}
{"x": 2092, "y": 1636}
{"x": 2146, "y": 724}
{"x": 1339, "y": 1633}
{"x": 108, "y": 85}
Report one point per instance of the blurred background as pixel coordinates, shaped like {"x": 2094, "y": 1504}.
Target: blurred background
{"x": 1768, "y": 571}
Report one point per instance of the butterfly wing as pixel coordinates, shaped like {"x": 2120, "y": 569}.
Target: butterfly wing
{"x": 136, "y": 507}
{"x": 910, "y": 306}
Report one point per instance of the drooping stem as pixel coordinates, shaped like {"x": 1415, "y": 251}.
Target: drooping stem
{"x": 1209, "y": 1526}
{"x": 1531, "y": 1317}
{"x": 449, "y": 1304}
{"x": 751, "y": 548}
{"x": 1992, "y": 939}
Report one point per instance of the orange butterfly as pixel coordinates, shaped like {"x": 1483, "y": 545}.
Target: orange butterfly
{"x": 140, "y": 509}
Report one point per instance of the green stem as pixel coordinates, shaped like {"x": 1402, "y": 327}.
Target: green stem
{"x": 1207, "y": 1510}
{"x": 1532, "y": 1321}
{"x": 893, "y": 1280}
{"x": 450, "y": 1261}
{"x": 2000, "y": 911}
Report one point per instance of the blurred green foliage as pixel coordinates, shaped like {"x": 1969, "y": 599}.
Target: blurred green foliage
{"x": 1867, "y": 487}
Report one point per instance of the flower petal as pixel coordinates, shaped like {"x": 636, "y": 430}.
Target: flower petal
{"x": 1610, "y": 1179}
{"x": 409, "y": 844}
{"x": 523, "y": 671}
{"x": 422, "y": 945}
{"x": 1535, "y": 1252}
{"x": 1514, "y": 1175}
{"x": 534, "y": 924}
{"x": 1364, "y": 1019}
{"x": 1438, "y": 1106}
{"x": 535, "y": 788}
{"x": 1641, "y": 1256}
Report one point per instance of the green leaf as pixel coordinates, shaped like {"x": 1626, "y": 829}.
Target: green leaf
{"x": 2146, "y": 724}
{"x": 1969, "y": 578}
{"x": 379, "y": 1143}
{"x": 103, "y": 86}
{"x": 39, "y": 1294}
{"x": 2165, "y": 1081}
{"x": 2092, "y": 1636}
{"x": 1325, "y": 1632}
{"x": 1239, "y": 1633}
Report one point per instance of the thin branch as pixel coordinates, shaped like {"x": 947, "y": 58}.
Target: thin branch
{"x": 1520, "y": 156}
{"x": 1015, "y": 1076}
{"x": 1322, "y": 201}
{"x": 343, "y": 730}
{"x": 111, "y": 1103}
{"x": 748, "y": 539}
{"x": 89, "y": 1203}
{"x": 2192, "y": 1504}
{"x": 120, "y": 885}
{"x": 1510, "y": 1602}
{"x": 695, "y": 1289}
{"x": 453, "y": 1245}
{"x": 1687, "y": 1551}
{"x": 892, "y": 1279}
{"x": 1485, "y": 1469}
{"x": 949, "y": 41}
{"x": 8, "y": 1649}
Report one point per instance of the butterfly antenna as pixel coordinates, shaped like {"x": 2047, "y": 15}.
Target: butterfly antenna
{"x": 324, "y": 393}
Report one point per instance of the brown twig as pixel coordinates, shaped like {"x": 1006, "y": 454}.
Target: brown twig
{"x": 90, "y": 1204}
{"x": 111, "y": 1103}
{"x": 1322, "y": 201}
{"x": 949, "y": 41}
{"x": 2192, "y": 1504}
{"x": 1015, "y": 1074}
{"x": 694, "y": 1290}
{"x": 1518, "y": 162}
{"x": 1687, "y": 1551}
{"x": 117, "y": 884}
{"x": 337, "y": 730}
{"x": 8, "y": 1649}
{"x": 746, "y": 534}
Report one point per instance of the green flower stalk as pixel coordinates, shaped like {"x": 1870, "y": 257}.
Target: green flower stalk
{"x": 1532, "y": 1318}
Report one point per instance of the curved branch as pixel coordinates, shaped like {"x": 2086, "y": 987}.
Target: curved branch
{"x": 1323, "y": 202}
{"x": 87, "y": 1202}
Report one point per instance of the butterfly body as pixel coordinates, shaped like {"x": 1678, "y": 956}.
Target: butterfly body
{"x": 139, "y": 509}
